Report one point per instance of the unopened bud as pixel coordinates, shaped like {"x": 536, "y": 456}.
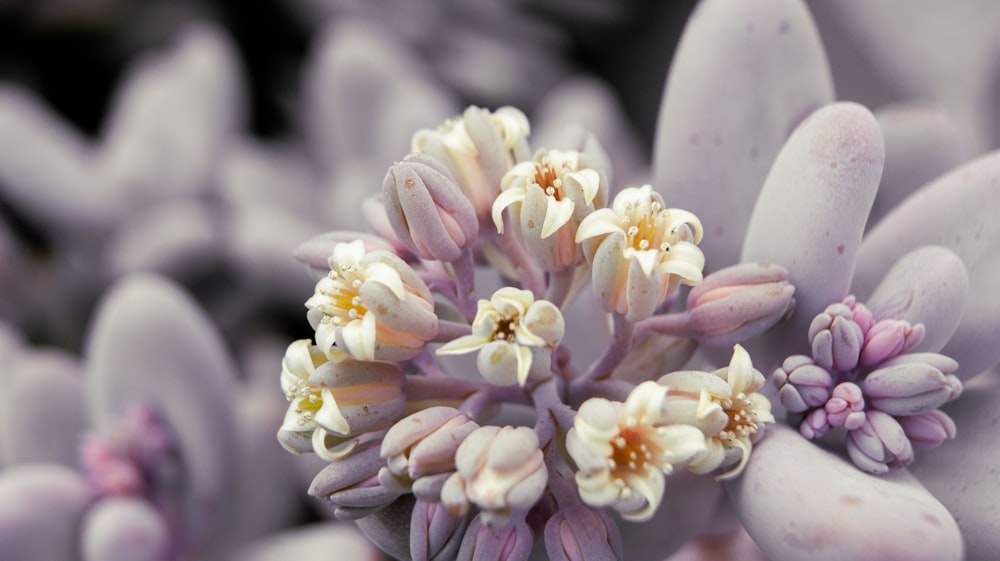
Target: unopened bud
{"x": 424, "y": 445}
{"x": 427, "y": 209}
{"x": 580, "y": 533}
{"x": 913, "y": 384}
{"x": 889, "y": 338}
{"x": 484, "y": 542}
{"x": 351, "y": 487}
{"x": 879, "y": 444}
{"x": 846, "y": 406}
{"x": 802, "y": 384}
{"x": 500, "y": 470}
{"x": 435, "y": 533}
{"x": 928, "y": 430}
{"x": 740, "y": 302}
{"x": 836, "y": 339}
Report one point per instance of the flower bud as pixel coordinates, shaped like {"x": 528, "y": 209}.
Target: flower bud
{"x": 435, "y": 533}
{"x": 424, "y": 444}
{"x": 580, "y": 533}
{"x": 316, "y": 251}
{"x": 427, "y": 210}
{"x": 351, "y": 487}
{"x": 815, "y": 424}
{"x": 846, "y": 406}
{"x": 802, "y": 384}
{"x": 739, "y": 302}
{"x": 500, "y": 470}
{"x": 879, "y": 444}
{"x": 478, "y": 148}
{"x": 928, "y": 430}
{"x": 359, "y": 396}
{"x": 910, "y": 386}
{"x": 889, "y": 338}
{"x": 836, "y": 339}
{"x": 484, "y": 542}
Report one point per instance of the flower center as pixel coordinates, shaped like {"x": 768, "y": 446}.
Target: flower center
{"x": 742, "y": 420}
{"x": 346, "y": 305}
{"x": 646, "y": 229}
{"x": 308, "y": 400}
{"x": 547, "y": 178}
{"x": 504, "y": 330}
{"x": 630, "y": 450}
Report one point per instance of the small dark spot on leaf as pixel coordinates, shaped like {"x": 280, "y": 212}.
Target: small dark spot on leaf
{"x": 840, "y": 249}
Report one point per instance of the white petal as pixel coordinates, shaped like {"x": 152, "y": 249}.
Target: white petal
{"x": 680, "y": 216}
{"x": 463, "y": 344}
{"x": 557, "y": 215}
{"x": 330, "y": 417}
{"x": 740, "y": 371}
{"x": 647, "y": 259}
{"x": 295, "y": 420}
{"x": 359, "y": 337}
{"x": 650, "y": 488}
{"x": 598, "y": 223}
{"x": 504, "y": 200}
{"x": 586, "y": 180}
{"x": 680, "y": 443}
{"x": 386, "y": 276}
{"x": 523, "y": 363}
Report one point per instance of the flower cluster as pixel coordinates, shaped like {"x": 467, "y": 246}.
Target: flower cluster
{"x": 383, "y": 398}
{"x": 863, "y": 378}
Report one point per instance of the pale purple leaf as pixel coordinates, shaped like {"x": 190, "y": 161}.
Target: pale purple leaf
{"x": 151, "y": 344}
{"x": 41, "y": 506}
{"x": 124, "y": 529}
{"x": 744, "y": 75}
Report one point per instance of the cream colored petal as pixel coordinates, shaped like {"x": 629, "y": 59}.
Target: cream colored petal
{"x": 740, "y": 371}
{"x": 347, "y": 253}
{"x": 295, "y": 419}
{"x": 679, "y": 443}
{"x": 645, "y": 401}
{"x": 523, "y": 363}
{"x": 359, "y": 337}
{"x": 648, "y": 259}
{"x": 387, "y": 276}
{"x": 557, "y": 215}
{"x": 650, "y": 487}
{"x": 498, "y": 362}
{"x": 588, "y": 181}
{"x": 330, "y": 417}
{"x": 598, "y": 223}
{"x": 710, "y": 459}
{"x": 340, "y": 449}
{"x": 680, "y": 216}
{"x": 326, "y": 337}
{"x": 692, "y": 382}
{"x": 684, "y": 260}
{"x": 504, "y": 200}
{"x": 597, "y": 489}
{"x": 744, "y": 446}
{"x": 462, "y": 345}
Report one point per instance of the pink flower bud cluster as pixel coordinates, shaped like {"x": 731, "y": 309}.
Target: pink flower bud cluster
{"x": 131, "y": 458}
{"x": 863, "y": 378}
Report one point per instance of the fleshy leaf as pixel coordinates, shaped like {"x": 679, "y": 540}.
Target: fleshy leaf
{"x": 41, "y": 506}
{"x": 124, "y": 529}
{"x": 820, "y": 507}
{"x": 744, "y": 75}
{"x": 958, "y": 211}
{"x": 812, "y": 212}
{"x": 151, "y": 344}
{"x": 927, "y": 285}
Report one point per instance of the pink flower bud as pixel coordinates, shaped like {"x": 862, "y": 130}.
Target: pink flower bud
{"x": 739, "y": 302}
{"x": 435, "y": 533}
{"x": 351, "y": 485}
{"x": 836, "y": 339}
{"x": 484, "y": 542}
{"x": 580, "y": 533}
{"x": 802, "y": 384}
{"x": 815, "y": 424}
{"x": 928, "y": 430}
{"x": 846, "y": 406}
{"x": 910, "y": 386}
{"x": 879, "y": 444}
{"x": 889, "y": 338}
{"x": 427, "y": 210}
{"x": 424, "y": 444}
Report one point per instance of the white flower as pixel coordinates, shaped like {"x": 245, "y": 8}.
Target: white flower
{"x": 372, "y": 306}
{"x": 640, "y": 252}
{"x": 514, "y": 334}
{"x": 339, "y": 405}
{"x": 551, "y": 195}
{"x": 624, "y": 450}
{"x": 725, "y": 406}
